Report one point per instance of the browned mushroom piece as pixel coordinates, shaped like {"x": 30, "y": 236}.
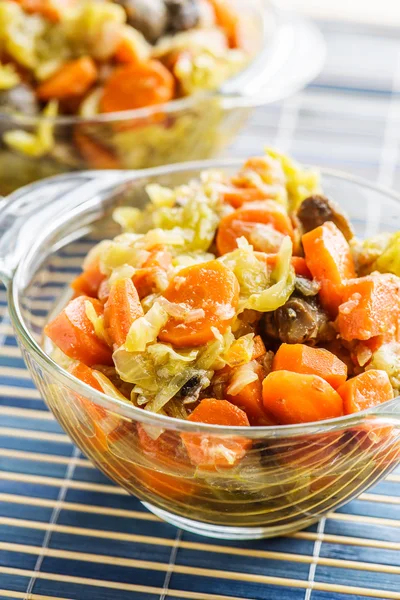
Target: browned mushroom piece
{"x": 183, "y": 14}
{"x": 150, "y": 17}
{"x": 20, "y": 99}
{"x": 317, "y": 210}
{"x": 298, "y": 321}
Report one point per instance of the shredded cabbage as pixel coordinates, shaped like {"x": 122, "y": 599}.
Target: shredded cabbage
{"x": 9, "y": 77}
{"x": 240, "y": 351}
{"x": 284, "y": 277}
{"x": 241, "y": 377}
{"x": 97, "y": 321}
{"x": 389, "y": 259}
{"x": 251, "y": 272}
{"x": 137, "y": 368}
{"x": 300, "y": 182}
{"x": 145, "y": 330}
{"x": 387, "y": 358}
{"x": 107, "y": 386}
{"x": 35, "y": 144}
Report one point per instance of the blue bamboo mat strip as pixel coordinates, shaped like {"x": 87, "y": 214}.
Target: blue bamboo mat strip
{"x": 67, "y": 532}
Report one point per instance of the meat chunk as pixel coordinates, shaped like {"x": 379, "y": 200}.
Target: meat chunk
{"x": 317, "y": 210}
{"x": 298, "y": 321}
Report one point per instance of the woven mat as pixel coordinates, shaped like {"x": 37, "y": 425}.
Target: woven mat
{"x": 67, "y": 532}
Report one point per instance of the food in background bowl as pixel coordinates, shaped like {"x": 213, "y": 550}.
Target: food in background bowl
{"x": 153, "y": 430}
{"x": 66, "y": 68}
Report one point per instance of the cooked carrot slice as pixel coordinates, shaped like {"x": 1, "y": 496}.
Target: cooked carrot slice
{"x": 300, "y": 358}
{"x": 85, "y": 374}
{"x": 95, "y": 154}
{"x": 259, "y": 348}
{"x": 73, "y": 332}
{"x": 73, "y": 79}
{"x": 329, "y": 259}
{"x": 250, "y": 400}
{"x": 244, "y": 221}
{"x": 365, "y": 391}
{"x": 121, "y": 310}
{"x": 88, "y": 282}
{"x": 210, "y": 451}
{"x": 297, "y": 398}
{"x": 145, "y": 278}
{"x": 229, "y": 22}
{"x": 163, "y": 484}
{"x": 209, "y": 286}
{"x": 46, "y": 8}
{"x": 137, "y": 85}
{"x": 370, "y": 308}
{"x": 237, "y": 196}
{"x": 298, "y": 263}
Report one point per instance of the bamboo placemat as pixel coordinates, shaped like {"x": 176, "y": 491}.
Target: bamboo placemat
{"x": 68, "y": 532}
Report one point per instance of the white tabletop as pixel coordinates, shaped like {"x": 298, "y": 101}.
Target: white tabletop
{"x": 374, "y": 12}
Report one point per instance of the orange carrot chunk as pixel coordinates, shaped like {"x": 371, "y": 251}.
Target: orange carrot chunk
{"x": 370, "y": 308}
{"x": 300, "y": 358}
{"x": 73, "y": 79}
{"x": 329, "y": 259}
{"x": 259, "y": 348}
{"x": 230, "y": 23}
{"x": 89, "y": 281}
{"x": 85, "y": 374}
{"x": 210, "y": 451}
{"x": 237, "y": 196}
{"x": 267, "y": 216}
{"x": 365, "y": 391}
{"x": 145, "y": 278}
{"x": 137, "y": 85}
{"x": 73, "y": 332}
{"x": 209, "y": 286}
{"x": 297, "y": 398}
{"x": 95, "y": 154}
{"x": 121, "y": 310}
{"x": 250, "y": 400}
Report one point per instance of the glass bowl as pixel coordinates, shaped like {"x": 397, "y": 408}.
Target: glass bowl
{"x": 289, "y": 53}
{"x": 290, "y": 475}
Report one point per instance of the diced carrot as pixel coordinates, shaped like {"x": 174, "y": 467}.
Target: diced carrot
{"x": 85, "y": 374}
{"x": 329, "y": 259}
{"x": 73, "y": 332}
{"x": 250, "y": 400}
{"x": 370, "y": 308}
{"x": 297, "y": 398}
{"x": 365, "y": 391}
{"x": 96, "y": 155}
{"x": 46, "y": 8}
{"x": 166, "y": 449}
{"x": 145, "y": 278}
{"x": 259, "y": 348}
{"x": 243, "y": 221}
{"x": 237, "y": 196}
{"x": 300, "y": 358}
{"x": 163, "y": 484}
{"x": 88, "y": 282}
{"x": 137, "y": 85}
{"x": 209, "y": 286}
{"x": 230, "y": 23}
{"x": 104, "y": 291}
{"x": 210, "y": 451}
{"x": 298, "y": 263}
{"x": 73, "y": 79}
{"x": 121, "y": 310}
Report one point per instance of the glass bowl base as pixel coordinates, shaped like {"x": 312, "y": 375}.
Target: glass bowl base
{"x": 225, "y": 532}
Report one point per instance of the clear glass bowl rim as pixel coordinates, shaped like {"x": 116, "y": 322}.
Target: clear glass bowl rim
{"x": 132, "y": 413}
{"x": 266, "y": 8}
